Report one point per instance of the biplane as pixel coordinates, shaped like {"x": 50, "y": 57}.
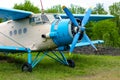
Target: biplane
{"x": 26, "y": 32}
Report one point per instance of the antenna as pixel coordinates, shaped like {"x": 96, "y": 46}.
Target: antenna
{"x": 42, "y": 10}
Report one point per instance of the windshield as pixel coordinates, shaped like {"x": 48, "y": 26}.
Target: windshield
{"x": 44, "y": 18}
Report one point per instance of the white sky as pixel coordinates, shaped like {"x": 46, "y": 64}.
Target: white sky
{"x": 49, "y": 3}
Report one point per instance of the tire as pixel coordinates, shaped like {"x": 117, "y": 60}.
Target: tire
{"x": 71, "y": 63}
{"x": 26, "y": 67}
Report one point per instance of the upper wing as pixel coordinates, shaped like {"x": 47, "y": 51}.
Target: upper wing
{"x": 14, "y": 14}
{"x": 92, "y": 16}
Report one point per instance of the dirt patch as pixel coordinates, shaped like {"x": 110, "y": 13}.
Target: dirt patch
{"x": 101, "y": 50}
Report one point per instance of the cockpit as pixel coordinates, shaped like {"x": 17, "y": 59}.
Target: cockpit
{"x": 41, "y": 19}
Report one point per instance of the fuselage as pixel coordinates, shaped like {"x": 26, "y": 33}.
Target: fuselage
{"x": 28, "y": 33}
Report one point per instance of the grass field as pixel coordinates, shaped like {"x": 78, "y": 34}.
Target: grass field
{"x": 88, "y": 67}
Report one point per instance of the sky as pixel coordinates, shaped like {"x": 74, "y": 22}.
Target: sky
{"x": 48, "y": 3}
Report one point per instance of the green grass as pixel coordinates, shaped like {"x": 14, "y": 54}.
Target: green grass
{"x": 88, "y": 67}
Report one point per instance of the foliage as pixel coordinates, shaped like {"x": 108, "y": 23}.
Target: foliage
{"x": 99, "y": 9}
{"x": 73, "y": 8}
{"x": 54, "y": 9}
{"x": 108, "y": 32}
{"x": 27, "y": 6}
{"x": 115, "y": 10}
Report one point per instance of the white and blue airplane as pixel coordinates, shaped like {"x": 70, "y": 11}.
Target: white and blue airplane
{"x": 25, "y": 31}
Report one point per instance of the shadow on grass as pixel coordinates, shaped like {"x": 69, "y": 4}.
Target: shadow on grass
{"x": 10, "y": 59}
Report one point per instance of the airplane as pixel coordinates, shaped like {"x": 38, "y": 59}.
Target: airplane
{"x": 49, "y": 34}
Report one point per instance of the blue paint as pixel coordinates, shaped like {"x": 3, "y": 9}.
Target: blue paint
{"x": 12, "y": 49}
{"x": 61, "y": 48}
{"x": 70, "y": 15}
{"x": 60, "y": 32}
{"x": 87, "y": 43}
{"x": 92, "y": 17}
{"x": 37, "y": 59}
{"x": 29, "y": 58}
{"x": 53, "y": 34}
{"x": 62, "y": 59}
{"x": 75, "y": 40}
{"x": 14, "y": 14}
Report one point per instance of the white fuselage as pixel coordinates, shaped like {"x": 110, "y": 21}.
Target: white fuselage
{"x": 26, "y": 34}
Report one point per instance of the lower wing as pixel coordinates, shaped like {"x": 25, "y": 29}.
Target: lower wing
{"x": 87, "y": 43}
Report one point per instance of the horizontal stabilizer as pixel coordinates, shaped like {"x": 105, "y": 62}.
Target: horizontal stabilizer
{"x": 14, "y": 14}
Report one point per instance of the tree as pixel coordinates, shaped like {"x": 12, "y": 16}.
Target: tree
{"x": 115, "y": 10}
{"x": 99, "y": 9}
{"x": 27, "y": 6}
{"x": 108, "y": 32}
{"x": 77, "y": 9}
{"x": 73, "y": 8}
{"x": 54, "y": 9}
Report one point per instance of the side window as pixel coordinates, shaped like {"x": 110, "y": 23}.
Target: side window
{"x": 44, "y": 18}
{"x": 24, "y": 30}
{"x": 35, "y": 20}
{"x": 19, "y": 31}
{"x": 31, "y": 20}
{"x": 15, "y": 32}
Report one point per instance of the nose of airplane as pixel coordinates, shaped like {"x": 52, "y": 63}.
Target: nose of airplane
{"x": 81, "y": 27}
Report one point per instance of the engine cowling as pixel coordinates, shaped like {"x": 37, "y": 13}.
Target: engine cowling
{"x": 61, "y": 32}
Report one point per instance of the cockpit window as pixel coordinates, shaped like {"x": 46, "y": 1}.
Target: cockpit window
{"x": 31, "y": 20}
{"x": 35, "y": 20}
{"x": 39, "y": 19}
{"x": 44, "y": 18}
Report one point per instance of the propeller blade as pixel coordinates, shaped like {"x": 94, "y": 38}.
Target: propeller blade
{"x": 86, "y": 17}
{"x": 74, "y": 42}
{"x": 70, "y": 15}
{"x": 88, "y": 39}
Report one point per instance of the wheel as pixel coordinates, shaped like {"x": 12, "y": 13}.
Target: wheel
{"x": 71, "y": 63}
{"x": 27, "y": 67}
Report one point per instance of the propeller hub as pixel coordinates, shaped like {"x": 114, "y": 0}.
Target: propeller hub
{"x": 76, "y": 29}
{"x": 82, "y": 28}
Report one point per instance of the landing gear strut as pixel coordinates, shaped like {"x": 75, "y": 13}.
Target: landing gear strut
{"x": 58, "y": 57}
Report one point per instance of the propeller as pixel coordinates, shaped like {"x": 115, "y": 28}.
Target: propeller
{"x": 81, "y": 28}
{"x": 69, "y": 14}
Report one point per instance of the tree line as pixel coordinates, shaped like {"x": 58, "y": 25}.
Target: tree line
{"x": 107, "y": 30}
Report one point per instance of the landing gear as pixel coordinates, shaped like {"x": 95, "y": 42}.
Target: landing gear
{"x": 71, "y": 63}
{"x": 27, "y": 67}
{"x": 38, "y": 58}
